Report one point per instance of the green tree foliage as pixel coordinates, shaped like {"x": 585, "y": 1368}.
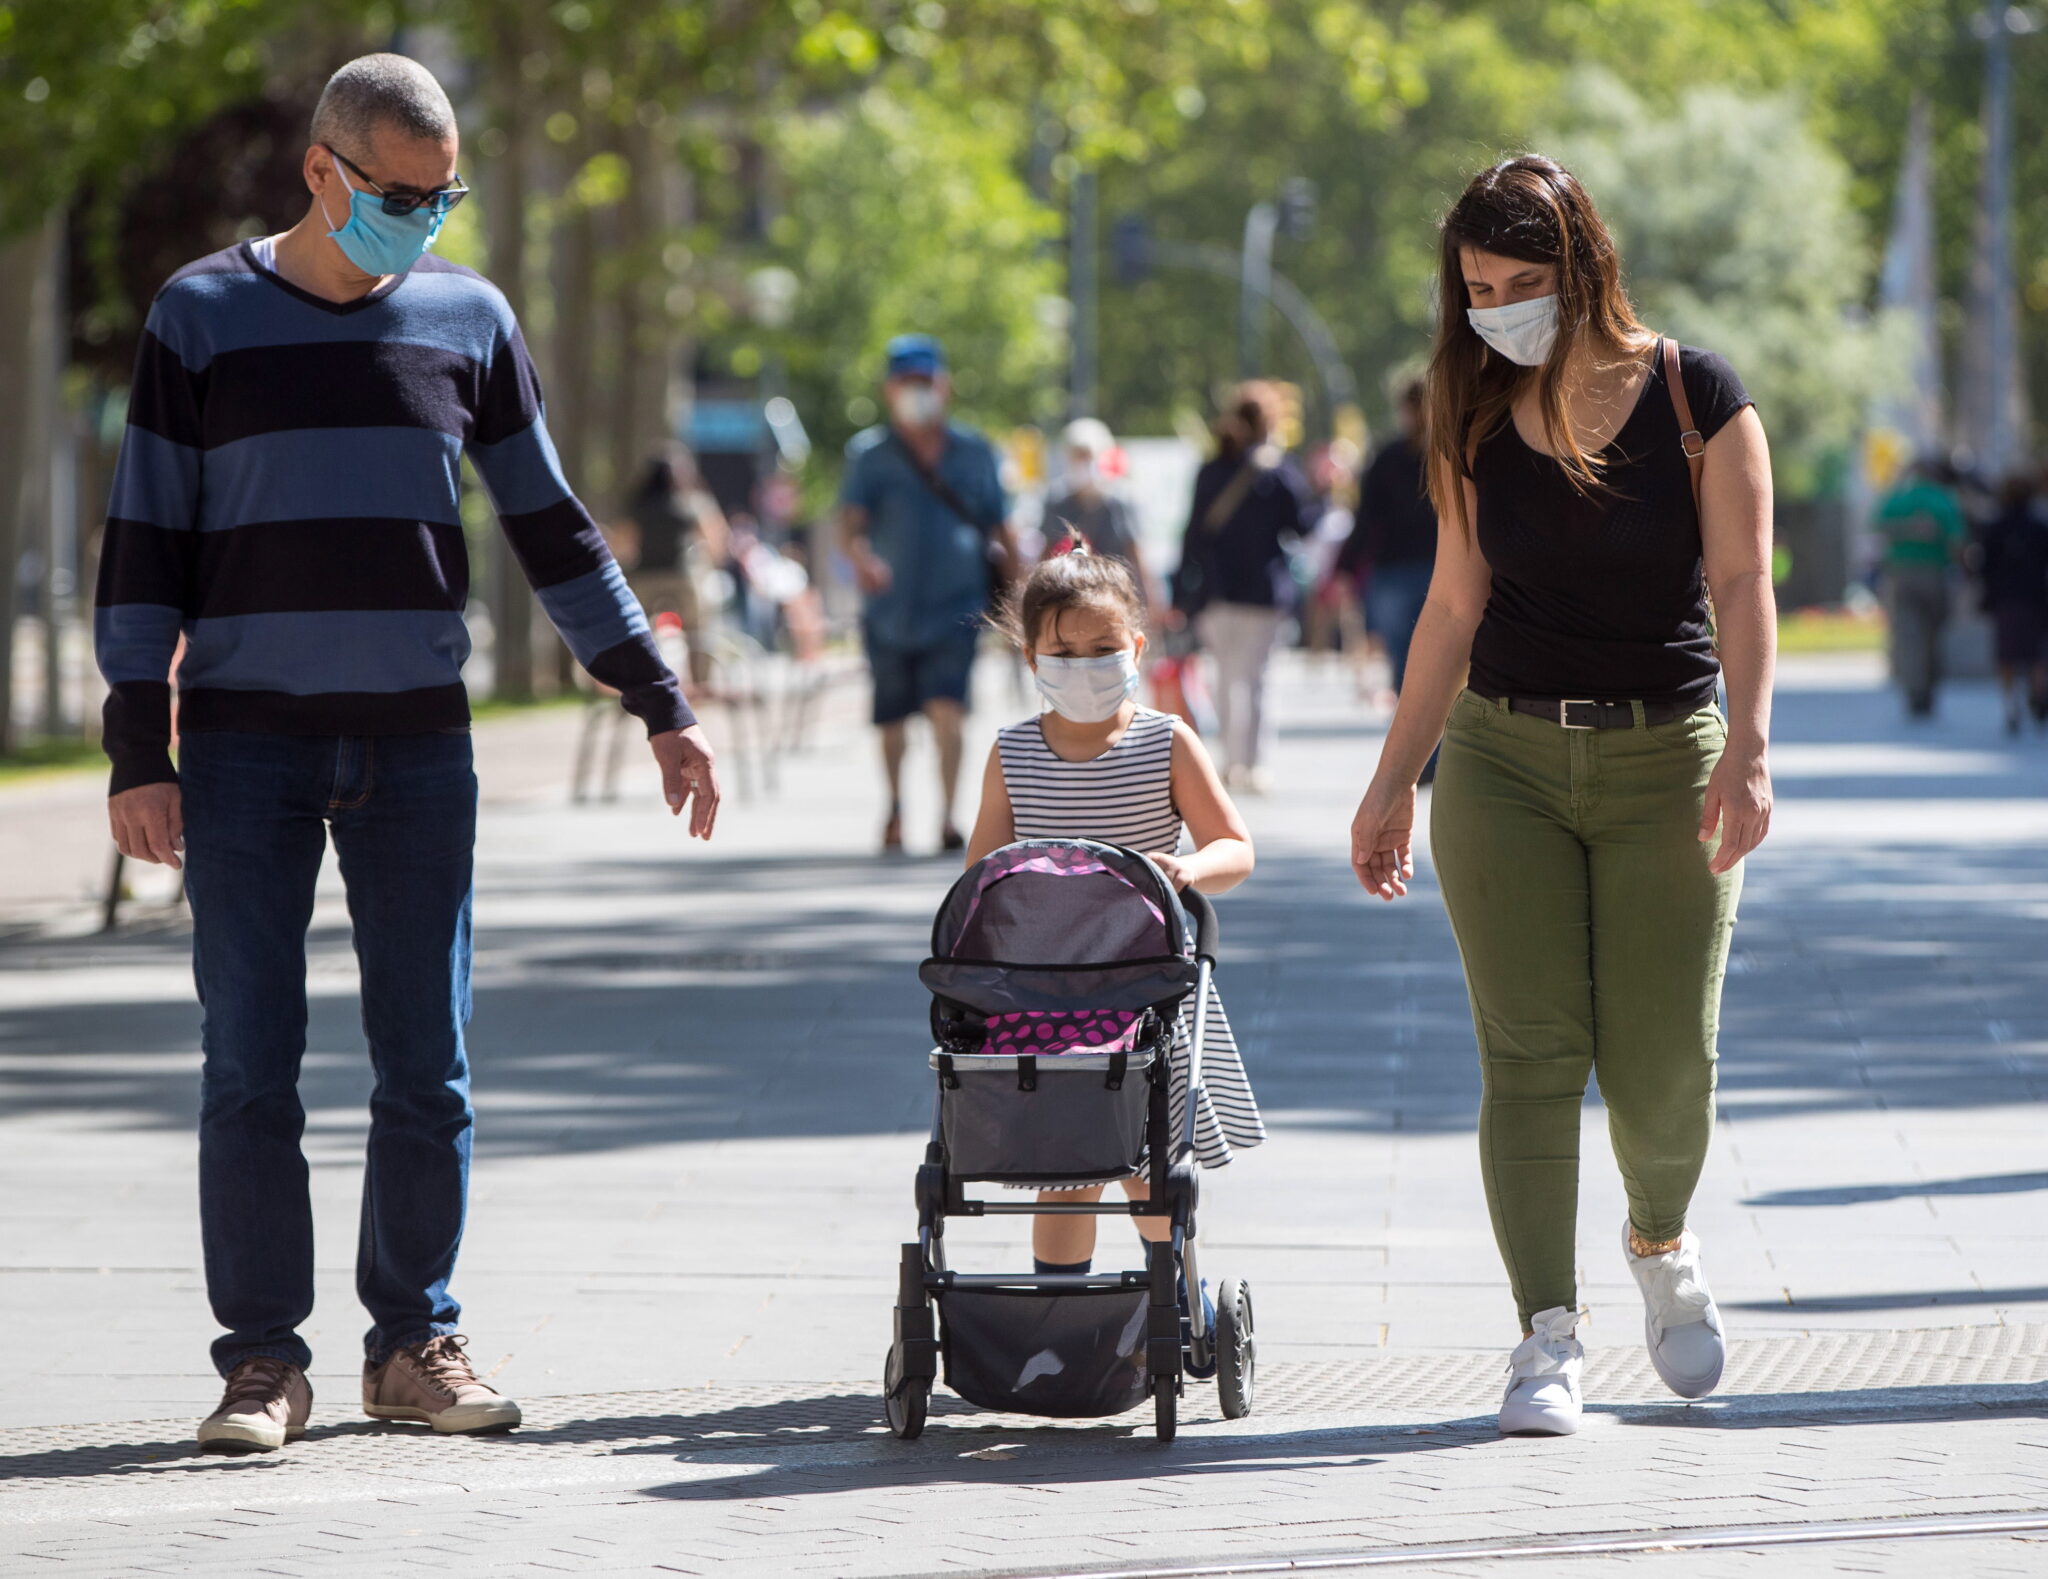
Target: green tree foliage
{"x": 1389, "y": 105}
{"x": 96, "y": 91}
{"x": 901, "y": 218}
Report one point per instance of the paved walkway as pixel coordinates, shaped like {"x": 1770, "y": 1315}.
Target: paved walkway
{"x": 701, "y": 1090}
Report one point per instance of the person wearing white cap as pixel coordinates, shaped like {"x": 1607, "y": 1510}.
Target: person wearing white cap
{"x": 1080, "y": 504}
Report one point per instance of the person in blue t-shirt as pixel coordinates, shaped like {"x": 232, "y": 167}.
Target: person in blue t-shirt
{"x": 925, "y": 522}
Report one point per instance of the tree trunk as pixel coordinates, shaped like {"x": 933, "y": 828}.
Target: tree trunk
{"x": 60, "y": 506}
{"x": 510, "y": 600}
{"x": 570, "y": 395}
{"x": 645, "y": 394}
{"x": 29, "y": 345}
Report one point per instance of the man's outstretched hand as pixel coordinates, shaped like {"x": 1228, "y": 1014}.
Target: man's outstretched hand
{"x": 688, "y": 776}
{"x": 149, "y": 823}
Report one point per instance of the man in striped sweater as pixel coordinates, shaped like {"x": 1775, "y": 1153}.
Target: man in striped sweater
{"x": 286, "y": 502}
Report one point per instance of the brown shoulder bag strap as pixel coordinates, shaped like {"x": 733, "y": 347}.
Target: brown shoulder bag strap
{"x": 1689, "y": 439}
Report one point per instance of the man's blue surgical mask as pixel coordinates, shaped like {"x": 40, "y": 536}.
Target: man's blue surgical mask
{"x": 1523, "y": 332}
{"x": 1088, "y": 690}
{"x": 377, "y": 242}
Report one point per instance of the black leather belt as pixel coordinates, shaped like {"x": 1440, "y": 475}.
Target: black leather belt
{"x": 1575, "y": 713}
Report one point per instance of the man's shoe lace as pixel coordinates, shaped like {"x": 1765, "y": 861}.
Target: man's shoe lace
{"x": 442, "y": 1362}
{"x": 262, "y": 1380}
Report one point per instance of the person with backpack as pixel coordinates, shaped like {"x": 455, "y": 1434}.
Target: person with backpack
{"x": 923, "y": 518}
{"x": 1596, "y": 484}
{"x": 1235, "y": 584}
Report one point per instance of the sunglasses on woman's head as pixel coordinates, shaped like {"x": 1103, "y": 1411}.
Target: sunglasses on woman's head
{"x": 401, "y": 203}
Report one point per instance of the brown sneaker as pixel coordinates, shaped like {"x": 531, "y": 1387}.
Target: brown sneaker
{"x": 433, "y": 1381}
{"x": 265, "y": 1406}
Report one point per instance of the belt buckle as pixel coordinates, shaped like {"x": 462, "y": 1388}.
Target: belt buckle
{"x": 1564, "y": 720}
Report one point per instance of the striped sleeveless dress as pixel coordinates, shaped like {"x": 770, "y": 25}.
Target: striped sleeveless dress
{"x": 1125, "y": 796}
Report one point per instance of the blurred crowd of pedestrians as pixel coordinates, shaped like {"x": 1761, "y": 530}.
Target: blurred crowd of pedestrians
{"x": 1944, "y": 536}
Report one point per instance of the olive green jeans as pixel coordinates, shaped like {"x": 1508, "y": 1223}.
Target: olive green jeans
{"x": 1594, "y": 940}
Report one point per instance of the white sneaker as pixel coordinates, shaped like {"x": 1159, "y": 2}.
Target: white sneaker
{"x": 1543, "y": 1378}
{"x": 1680, "y": 1324}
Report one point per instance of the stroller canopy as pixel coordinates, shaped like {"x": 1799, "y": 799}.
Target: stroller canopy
{"x": 1059, "y": 924}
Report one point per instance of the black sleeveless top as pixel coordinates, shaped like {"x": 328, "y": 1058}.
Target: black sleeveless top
{"x": 1602, "y": 597}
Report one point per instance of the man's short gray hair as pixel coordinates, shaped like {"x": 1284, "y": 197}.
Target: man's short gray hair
{"x": 386, "y": 90}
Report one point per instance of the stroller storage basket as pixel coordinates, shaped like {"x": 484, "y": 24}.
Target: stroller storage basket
{"x": 1064, "y": 1355}
{"x": 1064, "y": 1119}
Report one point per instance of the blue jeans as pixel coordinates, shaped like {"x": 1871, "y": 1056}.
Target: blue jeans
{"x": 1393, "y": 603}
{"x": 257, "y": 812}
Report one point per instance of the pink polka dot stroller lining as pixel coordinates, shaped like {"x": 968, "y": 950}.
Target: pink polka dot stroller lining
{"x": 1045, "y": 1033}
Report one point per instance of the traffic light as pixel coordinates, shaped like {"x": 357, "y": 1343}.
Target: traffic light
{"x": 1297, "y": 208}
{"x": 1130, "y": 249}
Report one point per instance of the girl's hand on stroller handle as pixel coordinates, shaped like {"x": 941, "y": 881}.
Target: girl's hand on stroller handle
{"x": 1172, "y": 868}
{"x": 1383, "y": 843}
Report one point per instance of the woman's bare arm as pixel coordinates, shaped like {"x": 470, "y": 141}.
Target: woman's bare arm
{"x": 1735, "y": 543}
{"x": 1382, "y": 834}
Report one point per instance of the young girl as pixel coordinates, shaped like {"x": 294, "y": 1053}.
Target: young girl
{"x": 1099, "y": 766}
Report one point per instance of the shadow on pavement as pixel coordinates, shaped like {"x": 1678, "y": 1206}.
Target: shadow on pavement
{"x": 1911, "y": 1299}
{"x": 1856, "y": 1194}
{"x": 791, "y": 1009}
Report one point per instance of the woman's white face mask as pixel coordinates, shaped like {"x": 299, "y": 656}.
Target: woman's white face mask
{"x": 1523, "y": 332}
{"x": 1087, "y": 690}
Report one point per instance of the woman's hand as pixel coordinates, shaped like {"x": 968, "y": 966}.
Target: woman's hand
{"x": 1383, "y": 842}
{"x": 1738, "y": 804}
{"x": 1174, "y": 868}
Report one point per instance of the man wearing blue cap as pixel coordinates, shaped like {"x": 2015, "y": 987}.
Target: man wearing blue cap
{"x": 925, "y": 522}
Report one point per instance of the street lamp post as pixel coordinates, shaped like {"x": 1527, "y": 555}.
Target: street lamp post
{"x": 1291, "y": 216}
{"x": 1255, "y": 270}
{"x": 1084, "y": 291}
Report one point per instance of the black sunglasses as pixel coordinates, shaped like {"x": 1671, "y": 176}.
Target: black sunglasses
{"x": 400, "y": 204}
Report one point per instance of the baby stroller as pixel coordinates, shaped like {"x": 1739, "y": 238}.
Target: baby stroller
{"x": 1057, "y": 974}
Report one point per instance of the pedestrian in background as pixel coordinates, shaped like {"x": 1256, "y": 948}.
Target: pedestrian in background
{"x": 1923, "y": 529}
{"x": 676, "y": 529}
{"x": 1592, "y": 807}
{"x": 925, "y": 522}
{"x": 1236, "y": 578}
{"x": 1089, "y": 506}
{"x": 286, "y": 498}
{"x": 1393, "y": 544}
{"x": 2012, "y": 573}
{"x": 1329, "y": 619}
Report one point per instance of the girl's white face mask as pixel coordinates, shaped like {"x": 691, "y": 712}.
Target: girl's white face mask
{"x": 1523, "y": 332}
{"x": 1088, "y": 690}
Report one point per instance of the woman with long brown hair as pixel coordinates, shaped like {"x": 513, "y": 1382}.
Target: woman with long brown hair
{"x": 1603, "y": 567}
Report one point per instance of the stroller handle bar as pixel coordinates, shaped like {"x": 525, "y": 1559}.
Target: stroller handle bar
{"x": 1197, "y": 905}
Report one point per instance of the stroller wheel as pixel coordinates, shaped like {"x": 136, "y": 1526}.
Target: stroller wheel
{"x": 903, "y": 1403}
{"x": 1165, "y": 1407}
{"x": 1236, "y": 1349}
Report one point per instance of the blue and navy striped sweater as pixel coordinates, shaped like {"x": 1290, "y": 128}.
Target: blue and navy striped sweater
{"x": 287, "y": 498}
